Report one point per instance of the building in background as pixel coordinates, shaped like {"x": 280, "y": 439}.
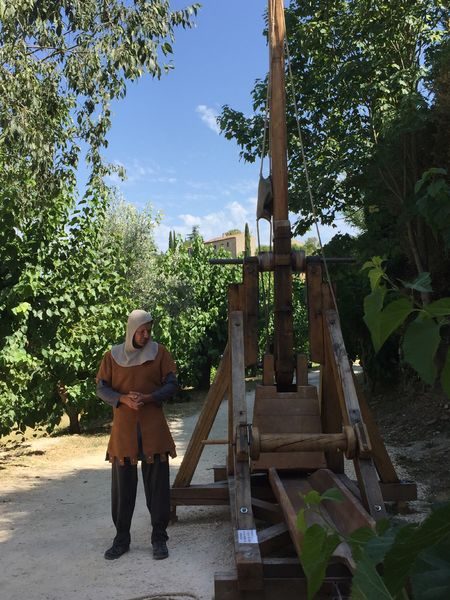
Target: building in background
{"x": 234, "y": 243}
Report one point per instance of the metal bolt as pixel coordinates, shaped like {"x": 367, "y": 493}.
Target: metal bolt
{"x": 377, "y": 507}
{"x": 244, "y": 510}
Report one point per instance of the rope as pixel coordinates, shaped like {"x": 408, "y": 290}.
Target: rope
{"x": 308, "y": 182}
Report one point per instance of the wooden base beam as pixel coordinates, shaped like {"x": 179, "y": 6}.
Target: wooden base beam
{"x": 290, "y": 588}
{"x": 197, "y": 495}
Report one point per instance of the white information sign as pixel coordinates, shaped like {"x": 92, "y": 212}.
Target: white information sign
{"x": 247, "y": 536}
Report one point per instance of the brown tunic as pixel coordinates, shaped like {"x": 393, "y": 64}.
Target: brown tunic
{"x": 145, "y": 378}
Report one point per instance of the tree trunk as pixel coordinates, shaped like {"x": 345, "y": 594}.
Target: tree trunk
{"x": 205, "y": 375}
{"x": 71, "y": 411}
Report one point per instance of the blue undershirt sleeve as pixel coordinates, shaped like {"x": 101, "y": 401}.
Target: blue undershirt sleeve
{"x": 167, "y": 390}
{"x": 107, "y": 394}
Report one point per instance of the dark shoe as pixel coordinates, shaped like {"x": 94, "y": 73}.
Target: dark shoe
{"x": 160, "y": 550}
{"x": 116, "y": 552}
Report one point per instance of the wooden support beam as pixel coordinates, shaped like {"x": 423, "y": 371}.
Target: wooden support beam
{"x": 289, "y": 492}
{"x": 302, "y": 370}
{"x": 314, "y": 290}
{"x": 283, "y": 330}
{"x": 287, "y": 588}
{"x": 343, "y": 375}
{"x": 349, "y": 514}
{"x": 268, "y": 369}
{"x": 220, "y": 473}
{"x": 196, "y": 495}
{"x": 380, "y": 455}
{"x": 403, "y": 491}
{"x": 273, "y": 538}
{"x": 247, "y": 554}
{"x": 204, "y": 424}
{"x": 267, "y": 511}
{"x": 331, "y": 414}
{"x": 283, "y": 313}
{"x": 251, "y": 274}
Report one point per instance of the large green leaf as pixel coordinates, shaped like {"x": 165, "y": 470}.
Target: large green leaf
{"x": 367, "y": 583}
{"x": 410, "y": 542}
{"x": 376, "y": 272}
{"x": 438, "y": 308}
{"x": 431, "y": 577}
{"x": 420, "y": 343}
{"x": 317, "y": 547}
{"x": 391, "y": 318}
{"x": 421, "y": 284}
{"x": 373, "y": 305}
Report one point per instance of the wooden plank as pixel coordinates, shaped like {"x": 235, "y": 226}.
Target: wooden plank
{"x": 282, "y": 566}
{"x": 331, "y": 411}
{"x": 287, "y": 412}
{"x": 268, "y": 370}
{"x": 347, "y": 515}
{"x": 291, "y": 567}
{"x": 351, "y": 415}
{"x": 314, "y": 298}
{"x": 289, "y": 493}
{"x": 302, "y": 370}
{"x": 251, "y": 310}
{"x": 342, "y": 371}
{"x": 226, "y": 587}
{"x": 303, "y": 461}
{"x": 275, "y": 588}
{"x": 369, "y": 486}
{"x": 380, "y": 455}
{"x": 210, "y": 494}
{"x": 220, "y": 473}
{"x": 283, "y": 329}
{"x": 234, "y": 297}
{"x": 247, "y": 554}
{"x": 204, "y": 424}
{"x": 266, "y": 511}
{"x": 271, "y": 392}
{"x": 273, "y": 538}
{"x": 287, "y": 406}
{"x": 286, "y": 423}
{"x": 238, "y": 368}
{"x": 403, "y": 491}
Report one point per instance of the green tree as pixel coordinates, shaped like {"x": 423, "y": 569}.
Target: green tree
{"x": 248, "y": 244}
{"x": 190, "y": 309}
{"x": 394, "y": 306}
{"x": 62, "y": 293}
{"x": 371, "y": 86}
{"x": 130, "y": 232}
{"x": 66, "y": 308}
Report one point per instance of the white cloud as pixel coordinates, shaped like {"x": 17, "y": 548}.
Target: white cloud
{"x": 234, "y": 216}
{"x": 208, "y": 116}
{"x": 137, "y": 171}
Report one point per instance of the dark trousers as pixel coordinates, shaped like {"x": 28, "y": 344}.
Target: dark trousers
{"x": 155, "y": 477}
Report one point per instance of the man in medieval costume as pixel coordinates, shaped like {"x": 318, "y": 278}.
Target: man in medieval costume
{"x": 135, "y": 378}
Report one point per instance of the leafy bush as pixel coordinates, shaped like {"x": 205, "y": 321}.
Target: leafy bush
{"x": 393, "y": 562}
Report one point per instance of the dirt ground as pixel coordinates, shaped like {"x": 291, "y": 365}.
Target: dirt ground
{"x": 55, "y": 519}
{"x": 55, "y": 524}
{"x": 416, "y": 428}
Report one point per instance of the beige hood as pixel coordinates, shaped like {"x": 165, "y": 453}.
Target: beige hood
{"x": 126, "y": 355}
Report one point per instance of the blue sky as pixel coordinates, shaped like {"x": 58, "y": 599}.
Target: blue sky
{"x": 165, "y": 135}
